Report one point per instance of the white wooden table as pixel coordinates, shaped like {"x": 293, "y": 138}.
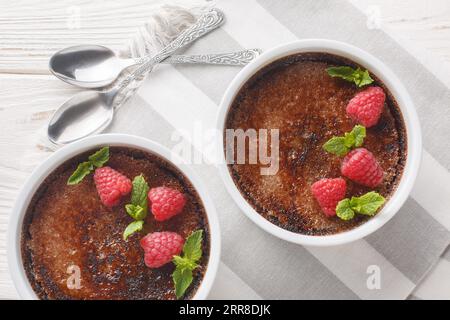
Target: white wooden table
{"x": 30, "y": 32}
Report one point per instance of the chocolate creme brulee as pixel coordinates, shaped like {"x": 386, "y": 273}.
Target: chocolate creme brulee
{"x": 67, "y": 225}
{"x": 296, "y": 95}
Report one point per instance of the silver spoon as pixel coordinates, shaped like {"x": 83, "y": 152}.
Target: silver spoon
{"x": 94, "y": 66}
{"x": 92, "y": 111}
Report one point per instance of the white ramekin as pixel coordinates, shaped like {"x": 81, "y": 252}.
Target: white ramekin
{"x": 40, "y": 173}
{"x": 413, "y": 132}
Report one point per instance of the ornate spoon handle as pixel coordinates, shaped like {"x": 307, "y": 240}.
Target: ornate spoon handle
{"x": 206, "y": 23}
{"x": 239, "y": 58}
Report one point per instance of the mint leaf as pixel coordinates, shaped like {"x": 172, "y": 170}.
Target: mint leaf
{"x": 358, "y": 133}
{"x": 136, "y": 212}
{"x": 99, "y": 158}
{"x": 344, "y": 210}
{"x": 192, "y": 252}
{"x": 367, "y": 204}
{"x": 138, "y": 207}
{"x": 192, "y": 248}
{"x": 182, "y": 278}
{"x": 184, "y": 263}
{"x": 357, "y": 76}
{"x": 364, "y": 78}
{"x": 337, "y": 146}
{"x": 139, "y": 193}
{"x": 133, "y": 227}
{"x": 349, "y": 140}
{"x": 82, "y": 171}
{"x": 342, "y": 145}
{"x": 346, "y": 73}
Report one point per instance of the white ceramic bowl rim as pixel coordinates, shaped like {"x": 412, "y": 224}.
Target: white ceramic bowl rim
{"x": 42, "y": 171}
{"x": 413, "y": 132}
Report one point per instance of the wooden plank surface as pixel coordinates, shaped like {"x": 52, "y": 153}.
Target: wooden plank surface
{"x": 31, "y": 31}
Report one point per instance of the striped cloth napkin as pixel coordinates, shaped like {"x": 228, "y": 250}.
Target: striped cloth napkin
{"x": 177, "y": 102}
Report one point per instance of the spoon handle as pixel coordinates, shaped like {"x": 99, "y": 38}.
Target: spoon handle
{"x": 206, "y": 23}
{"x": 238, "y": 58}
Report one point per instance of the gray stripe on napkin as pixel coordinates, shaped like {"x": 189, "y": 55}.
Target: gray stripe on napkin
{"x": 322, "y": 19}
{"x": 137, "y": 117}
{"x": 212, "y": 80}
{"x": 411, "y": 240}
{"x": 446, "y": 254}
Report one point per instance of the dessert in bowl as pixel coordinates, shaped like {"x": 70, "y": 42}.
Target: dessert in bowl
{"x": 349, "y": 142}
{"x": 112, "y": 217}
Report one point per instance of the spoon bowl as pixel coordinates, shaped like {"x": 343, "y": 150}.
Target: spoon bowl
{"x": 84, "y": 114}
{"x": 88, "y": 66}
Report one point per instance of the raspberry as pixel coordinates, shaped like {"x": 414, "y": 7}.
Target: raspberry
{"x": 111, "y": 185}
{"x": 328, "y": 192}
{"x": 366, "y": 107}
{"x": 160, "y": 247}
{"x": 166, "y": 202}
{"x": 361, "y": 166}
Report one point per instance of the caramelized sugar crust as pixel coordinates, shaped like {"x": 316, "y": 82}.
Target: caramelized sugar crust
{"x": 68, "y": 225}
{"x": 297, "y": 96}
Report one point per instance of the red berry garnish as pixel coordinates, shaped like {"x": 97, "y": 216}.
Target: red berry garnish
{"x": 328, "y": 192}
{"x": 111, "y": 185}
{"x": 366, "y": 107}
{"x": 166, "y": 202}
{"x": 361, "y": 166}
{"x": 160, "y": 247}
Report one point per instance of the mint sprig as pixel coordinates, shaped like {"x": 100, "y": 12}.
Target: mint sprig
{"x": 138, "y": 208}
{"x": 133, "y": 227}
{"x": 99, "y": 158}
{"x": 358, "y": 76}
{"x": 82, "y": 171}
{"x": 135, "y": 211}
{"x": 96, "y": 160}
{"x": 342, "y": 145}
{"x": 185, "y": 265}
{"x": 367, "y": 204}
{"x": 139, "y": 194}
